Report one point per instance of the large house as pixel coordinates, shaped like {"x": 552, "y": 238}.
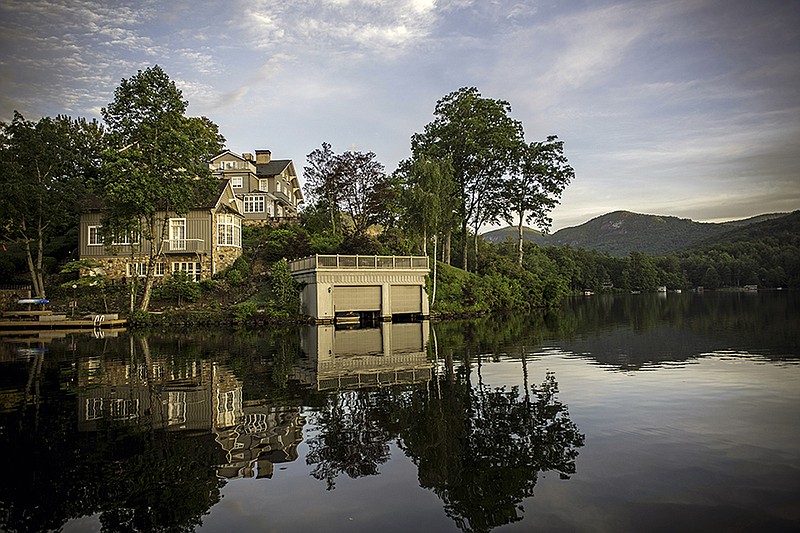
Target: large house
{"x": 268, "y": 188}
{"x": 202, "y": 242}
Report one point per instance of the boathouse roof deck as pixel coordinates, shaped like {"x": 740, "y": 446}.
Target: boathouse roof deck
{"x": 359, "y": 262}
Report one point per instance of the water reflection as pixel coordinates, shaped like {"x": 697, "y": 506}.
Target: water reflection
{"x": 147, "y": 431}
{"x": 339, "y": 359}
{"x": 479, "y": 448}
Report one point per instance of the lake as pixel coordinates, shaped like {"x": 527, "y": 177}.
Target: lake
{"x": 670, "y": 412}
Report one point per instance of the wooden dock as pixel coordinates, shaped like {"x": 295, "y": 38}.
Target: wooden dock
{"x": 24, "y": 322}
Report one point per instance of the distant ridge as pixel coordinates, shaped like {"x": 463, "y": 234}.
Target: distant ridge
{"x": 621, "y": 232}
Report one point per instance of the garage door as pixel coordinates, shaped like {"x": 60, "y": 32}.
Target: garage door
{"x": 406, "y": 299}
{"x": 357, "y": 298}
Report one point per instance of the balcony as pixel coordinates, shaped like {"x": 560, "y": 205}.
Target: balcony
{"x": 184, "y": 246}
{"x": 359, "y": 262}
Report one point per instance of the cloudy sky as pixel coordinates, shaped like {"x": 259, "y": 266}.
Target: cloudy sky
{"x": 688, "y": 108}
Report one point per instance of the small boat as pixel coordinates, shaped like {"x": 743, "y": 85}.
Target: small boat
{"x": 33, "y": 301}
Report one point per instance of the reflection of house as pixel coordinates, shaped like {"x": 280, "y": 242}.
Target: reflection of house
{"x": 268, "y": 188}
{"x": 263, "y": 436}
{"x": 201, "y": 242}
{"x": 347, "y": 359}
{"x": 200, "y": 396}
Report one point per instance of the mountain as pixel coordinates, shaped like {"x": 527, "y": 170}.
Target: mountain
{"x": 621, "y": 232}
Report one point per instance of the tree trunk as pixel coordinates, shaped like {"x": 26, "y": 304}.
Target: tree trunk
{"x": 39, "y": 257}
{"x": 448, "y": 242}
{"x": 425, "y": 243}
{"x": 433, "y": 296}
{"x": 464, "y": 244}
{"x": 32, "y": 269}
{"x": 148, "y": 289}
{"x": 519, "y": 249}
{"x": 475, "y": 240}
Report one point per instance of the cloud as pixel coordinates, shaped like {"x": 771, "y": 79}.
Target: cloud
{"x": 375, "y": 27}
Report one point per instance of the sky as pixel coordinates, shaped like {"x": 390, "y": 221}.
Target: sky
{"x": 687, "y": 108}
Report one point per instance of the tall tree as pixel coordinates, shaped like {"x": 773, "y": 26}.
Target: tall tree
{"x": 353, "y": 183}
{"x": 535, "y": 186}
{"x": 158, "y": 161}
{"x": 428, "y": 199}
{"x": 362, "y": 192}
{"x": 480, "y": 137}
{"x": 322, "y": 180}
{"x": 43, "y": 169}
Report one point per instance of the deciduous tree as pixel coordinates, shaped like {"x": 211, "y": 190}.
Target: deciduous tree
{"x": 479, "y": 136}
{"x": 158, "y": 161}
{"x": 535, "y": 186}
{"x": 43, "y": 169}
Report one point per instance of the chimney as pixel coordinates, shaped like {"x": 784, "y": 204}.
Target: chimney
{"x": 248, "y": 157}
{"x": 263, "y": 157}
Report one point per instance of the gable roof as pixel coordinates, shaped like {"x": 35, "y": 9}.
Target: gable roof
{"x": 273, "y": 168}
{"x": 228, "y": 152}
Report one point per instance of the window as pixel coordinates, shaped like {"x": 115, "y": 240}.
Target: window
{"x": 140, "y": 269}
{"x": 229, "y": 230}
{"x": 95, "y": 238}
{"x": 236, "y": 181}
{"x": 253, "y": 204}
{"x": 177, "y": 234}
{"x": 191, "y": 268}
{"x": 126, "y": 239}
{"x": 263, "y": 185}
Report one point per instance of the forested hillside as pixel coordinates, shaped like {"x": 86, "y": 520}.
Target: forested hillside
{"x": 621, "y": 232}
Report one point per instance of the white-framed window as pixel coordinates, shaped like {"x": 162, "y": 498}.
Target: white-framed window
{"x": 190, "y": 267}
{"x": 177, "y": 234}
{"x": 140, "y": 269}
{"x": 263, "y": 185}
{"x": 229, "y": 230}
{"x": 127, "y": 239}
{"x": 254, "y": 204}
{"x": 95, "y": 237}
{"x": 236, "y": 182}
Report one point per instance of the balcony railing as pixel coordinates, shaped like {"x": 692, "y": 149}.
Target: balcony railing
{"x": 359, "y": 262}
{"x": 179, "y": 246}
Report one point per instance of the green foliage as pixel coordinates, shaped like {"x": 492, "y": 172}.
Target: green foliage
{"x": 238, "y": 273}
{"x": 269, "y": 244}
{"x": 478, "y": 137}
{"x": 180, "y": 287}
{"x": 44, "y": 167}
{"x": 157, "y": 162}
{"x": 325, "y": 243}
{"x": 245, "y": 311}
{"x": 285, "y": 290}
{"x": 350, "y": 182}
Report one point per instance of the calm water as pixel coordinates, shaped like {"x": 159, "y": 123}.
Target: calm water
{"x": 635, "y": 413}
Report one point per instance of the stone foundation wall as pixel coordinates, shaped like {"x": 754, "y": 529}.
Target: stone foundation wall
{"x": 9, "y": 297}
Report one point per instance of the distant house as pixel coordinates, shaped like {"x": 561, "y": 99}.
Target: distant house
{"x": 202, "y": 242}
{"x": 268, "y": 188}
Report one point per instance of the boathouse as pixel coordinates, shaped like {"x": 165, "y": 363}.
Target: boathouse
{"x": 349, "y": 288}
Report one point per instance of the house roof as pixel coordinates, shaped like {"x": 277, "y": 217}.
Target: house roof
{"x": 228, "y": 152}
{"x": 273, "y": 168}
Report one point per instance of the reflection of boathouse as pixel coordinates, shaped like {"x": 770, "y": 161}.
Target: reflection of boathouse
{"x": 202, "y": 397}
{"x": 372, "y": 357}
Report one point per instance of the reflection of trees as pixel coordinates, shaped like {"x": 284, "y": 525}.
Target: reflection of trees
{"x": 350, "y": 439}
{"x": 480, "y": 449}
{"x": 136, "y": 480}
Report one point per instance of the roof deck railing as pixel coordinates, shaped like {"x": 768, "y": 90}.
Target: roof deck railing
{"x": 359, "y": 262}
